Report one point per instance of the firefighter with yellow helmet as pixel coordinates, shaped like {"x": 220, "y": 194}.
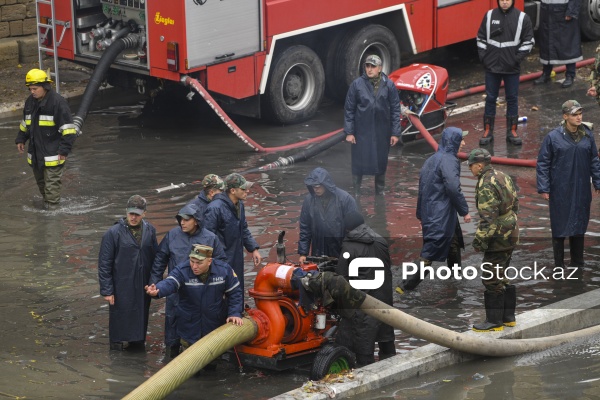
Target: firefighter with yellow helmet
{"x": 48, "y": 126}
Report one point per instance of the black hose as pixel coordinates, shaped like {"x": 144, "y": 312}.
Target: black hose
{"x": 110, "y": 54}
{"x": 302, "y": 155}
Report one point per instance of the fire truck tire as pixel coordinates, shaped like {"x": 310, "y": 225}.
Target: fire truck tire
{"x": 333, "y": 89}
{"x": 296, "y": 86}
{"x": 589, "y": 19}
{"x": 332, "y": 359}
{"x": 370, "y": 39}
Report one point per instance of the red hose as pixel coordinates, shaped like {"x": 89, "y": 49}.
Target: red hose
{"x": 495, "y": 160}
{"x": 522, "y": 78}
{"x": 415, "y": 121}
{"x": 236, "y": 129}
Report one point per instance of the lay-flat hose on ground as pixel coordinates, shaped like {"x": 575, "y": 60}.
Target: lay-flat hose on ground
{"x": 474, "y": 344}
{"x": 193, "y": 360}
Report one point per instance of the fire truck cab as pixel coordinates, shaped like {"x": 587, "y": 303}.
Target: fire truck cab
{"x": 270, "y": 59}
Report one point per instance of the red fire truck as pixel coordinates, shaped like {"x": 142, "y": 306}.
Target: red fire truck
{"x": 261, "y": 58}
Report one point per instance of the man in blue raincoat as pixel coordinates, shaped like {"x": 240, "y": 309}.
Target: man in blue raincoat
{"x": 124, "y": 264}
{"x": 439, "y": 203}
{"x": 173, "y": 250}
{"x": 371, "y": 123}
{"x": 225, "y": 217}
{"x": 322, "y": 216}
{"x": 209, "y": 294}
{"x": 567, "y": 159}
{"x": 211, "y": 185}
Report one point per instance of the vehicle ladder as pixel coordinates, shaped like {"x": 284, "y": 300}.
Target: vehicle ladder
{"x": 43, "y": 29}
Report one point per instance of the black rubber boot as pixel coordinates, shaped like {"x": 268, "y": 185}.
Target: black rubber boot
{"x": 576, "y": 247}
{"x": 511, "y": 130}
{"x": 544, "y": 78}
{"x": 386, "y": 350}
{"x": 558, "y": 247}
{"x": 568, "y": 82}
{"x": 414, "y": 280}
{"x": 379, "y": 184}
{"x": 494, "y": 310}
{"x": 510, "y": 303}
{"x": 488, "y": 133}
{"x": 356, "y": 181}
{"x": 174, "y": 350}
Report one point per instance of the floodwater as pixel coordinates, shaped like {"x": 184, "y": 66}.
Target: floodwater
{"x": 55, "y": 330}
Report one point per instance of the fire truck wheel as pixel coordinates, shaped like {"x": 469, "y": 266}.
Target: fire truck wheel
{"x": 589, "y": 19}
{"x": 370, "y": 39}
{"x": 333, "y": 89}
{"x": 296, "y": 86}
{"x": 332, "y": 359}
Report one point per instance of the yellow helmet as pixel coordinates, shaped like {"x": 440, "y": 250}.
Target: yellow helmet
{"x": 35, "y": 77}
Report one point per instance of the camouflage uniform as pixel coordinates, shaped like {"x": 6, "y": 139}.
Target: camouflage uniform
{"x": 596, "y": 75}
{"x": 498, "y": 230}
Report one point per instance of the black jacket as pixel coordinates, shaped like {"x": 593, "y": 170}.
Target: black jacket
{"x": 48, "y": 126}
{"x": 501, "y": 48}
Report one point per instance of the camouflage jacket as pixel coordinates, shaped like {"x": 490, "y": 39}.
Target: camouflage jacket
{"x": 497, "y": 203}
{"x": 596, "y": 75}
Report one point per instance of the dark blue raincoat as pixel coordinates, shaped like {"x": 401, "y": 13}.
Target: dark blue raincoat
{"x": 221, "y": 218}
{"x": 322, "y": 229}
{"x": 201, "y": 202}
{"x": 440, "y": 197}
{"x": 174, "y": 249}
{"x": 564, "y": 169}
{"x": 123, "y": 270}
{"x": 203, "y": 306}
{"x": 372, "y": 119}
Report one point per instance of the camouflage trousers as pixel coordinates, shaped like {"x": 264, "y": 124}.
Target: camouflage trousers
{"x": 492, "y": 274}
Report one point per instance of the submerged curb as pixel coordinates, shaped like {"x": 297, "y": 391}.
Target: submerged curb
{"x": 562, "y": 317}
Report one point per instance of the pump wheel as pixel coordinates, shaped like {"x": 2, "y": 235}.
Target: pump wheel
{"x": 353, "y": 51}
{"x": 589, "y": 19}
{"x": 332, "y": 359}
{"x": 296, "y": 85}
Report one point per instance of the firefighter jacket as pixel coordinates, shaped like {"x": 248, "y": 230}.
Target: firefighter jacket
{"x": 497, "y": 202}
{"x": 372, "y": 118}
{"x": 221, "y": 218}
{"x": 176, "y": 246}
{"x": 504, "y": 39}
{"x": 560, "y": 40}
{"x": 322, "y": 221}
{"x": 203, "y": 306}
{"x": 123, "y": 271}
{"x": 440, "y": 197}
{"x": 49, "y": 128}
{"x": 564, "y": 169}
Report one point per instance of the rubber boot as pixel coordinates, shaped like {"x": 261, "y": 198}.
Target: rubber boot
{"x": 568, "y": 82}
{"x": 454, "y": 257}
{"x": 510, "y": 303}
{"x": 576, "y": 247}
{"x": 558, "y": 247}
{"x": 488, "y": 134}
{"x": 174, "y": 350}
{"x": 511, "y": 130}
{"x": 544, "y": 78}
{"x": 414, "y": 280}
{"x": 386, "y": 350}
{"x": 356, "y": 181}
{"x": 379, "y": 184}
{"x": 494, "y": 310}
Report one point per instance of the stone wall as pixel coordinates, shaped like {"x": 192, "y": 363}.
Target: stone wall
{"x": 17, "y": 18}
